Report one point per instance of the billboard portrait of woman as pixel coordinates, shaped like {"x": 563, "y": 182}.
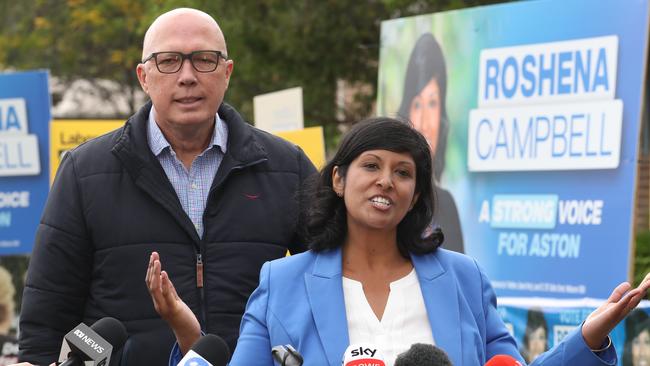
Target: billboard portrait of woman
{"x": 424, "y": 105}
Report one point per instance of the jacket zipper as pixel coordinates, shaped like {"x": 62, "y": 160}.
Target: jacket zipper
{"x": 199, "y": 270}
{"x": 199, "y": 285}
{"x": 199, "y": 256}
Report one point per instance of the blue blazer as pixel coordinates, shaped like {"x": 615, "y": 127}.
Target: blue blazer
{"x": 300, "y": 302}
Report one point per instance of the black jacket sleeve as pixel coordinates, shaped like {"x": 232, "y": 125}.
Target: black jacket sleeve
{"x": 59, "y": 272}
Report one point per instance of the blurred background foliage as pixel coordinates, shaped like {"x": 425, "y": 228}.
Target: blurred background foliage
{"x": 276, "y": 44}
{"x": 642, "y": 257}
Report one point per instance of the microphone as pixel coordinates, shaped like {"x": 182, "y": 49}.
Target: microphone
{"x": 286, "y": 355}
{"x": 209, "y": 350}
{"x": 362, "y": 355}
{"x": 421, "y": 354}
{"x": 502, "y": 360}
{"x": 93, "y": 344}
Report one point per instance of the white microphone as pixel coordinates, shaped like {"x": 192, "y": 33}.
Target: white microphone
{"x": 362, "y": 355}
{"x": 209, "y": 350}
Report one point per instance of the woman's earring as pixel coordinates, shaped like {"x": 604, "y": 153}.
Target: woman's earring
{"x": 340, "y": 194}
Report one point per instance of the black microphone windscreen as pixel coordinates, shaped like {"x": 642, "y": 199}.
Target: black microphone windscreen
{"x": 112, "y": 330}
{"x": 213, "y": 349}
{"x": 421, "y": 354}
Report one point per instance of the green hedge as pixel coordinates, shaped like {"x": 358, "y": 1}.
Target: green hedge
{"x": 642, "y": 258}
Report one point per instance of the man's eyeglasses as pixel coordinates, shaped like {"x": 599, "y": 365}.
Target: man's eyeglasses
{"x": 171, "y": 62}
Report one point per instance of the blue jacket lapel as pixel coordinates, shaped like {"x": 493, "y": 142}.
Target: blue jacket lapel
{"x": 441, "y": 300}
{"x": 325, "y": 291}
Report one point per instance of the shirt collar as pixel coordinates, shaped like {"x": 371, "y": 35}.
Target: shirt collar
{"x": 158, "y": 142}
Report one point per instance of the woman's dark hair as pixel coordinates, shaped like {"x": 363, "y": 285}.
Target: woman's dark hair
{"x": 325, "y": 218}
{"x": 425, "y": 63}
{"x": 635, "y": 323}
{"x": 534, "y": 321}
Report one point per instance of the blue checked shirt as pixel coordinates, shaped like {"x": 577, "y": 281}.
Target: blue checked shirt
{"x": 192, "y": 187}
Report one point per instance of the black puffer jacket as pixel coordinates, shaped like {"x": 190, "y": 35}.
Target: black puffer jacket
{"x": 111, "y": 205}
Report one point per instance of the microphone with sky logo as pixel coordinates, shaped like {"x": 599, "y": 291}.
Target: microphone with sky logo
{"x": 362, "y": 355}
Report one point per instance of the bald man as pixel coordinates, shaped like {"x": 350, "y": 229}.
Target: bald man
{"x": 185, "y": 177}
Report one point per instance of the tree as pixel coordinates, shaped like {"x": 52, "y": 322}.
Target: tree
{"x": 276, "y": 44}
{"x": 76, "y": 39}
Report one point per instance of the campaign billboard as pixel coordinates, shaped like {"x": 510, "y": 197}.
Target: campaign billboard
{"x": 539, "y": 324}
{"x": 24, "y": 148}
{"x": 67, "y": 134}
{"x": 533, "y": 112}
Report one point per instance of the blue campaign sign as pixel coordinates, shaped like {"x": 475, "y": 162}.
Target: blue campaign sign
{"x": 24, "y": 163}
{"x": 533, "y": 111}
{"x": 540, "y": 324}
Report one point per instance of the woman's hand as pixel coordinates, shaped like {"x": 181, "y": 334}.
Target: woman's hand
{"x": 622, "y": 300}
{"x": 170, "y": 306}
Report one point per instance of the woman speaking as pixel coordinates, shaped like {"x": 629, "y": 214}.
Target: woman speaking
{"x": 371, "y": 277}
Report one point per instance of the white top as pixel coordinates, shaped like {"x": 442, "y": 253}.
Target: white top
{"x": 404, "y": 321}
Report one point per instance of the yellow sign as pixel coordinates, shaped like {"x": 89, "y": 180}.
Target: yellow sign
{"x": 310, "y": 140}
{"x": 68, "y": 134}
